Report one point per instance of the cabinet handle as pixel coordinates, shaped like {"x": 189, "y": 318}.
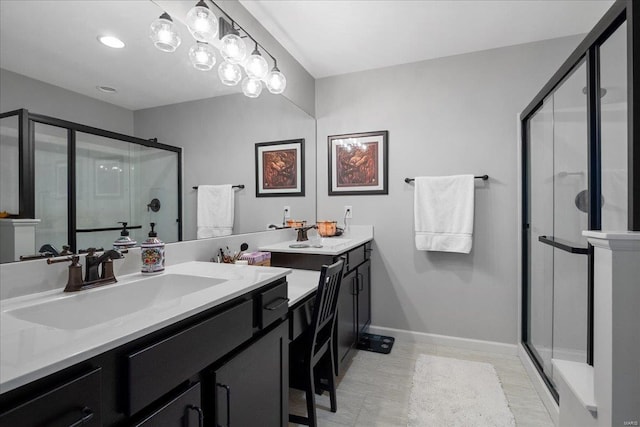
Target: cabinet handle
{"x": 87, "y": 415}
{"x": 360, "y": 282}
{"x": 228, "y": 392}
{"x": 276, "y": 304}
{"x": 200, "y": 414}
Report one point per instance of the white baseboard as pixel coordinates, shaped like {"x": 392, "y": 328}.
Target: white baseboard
{"x": 538, "y": 383}
{"x": 445, "y": 340}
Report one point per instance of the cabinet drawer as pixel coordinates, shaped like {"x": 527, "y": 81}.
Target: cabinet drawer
{"x": 155, "y": 370}
{"x": 355, "y": 257}
{"x": 184, "y": 410}
{"x": 73, "y": 403}
{"x": 274, "y": 304}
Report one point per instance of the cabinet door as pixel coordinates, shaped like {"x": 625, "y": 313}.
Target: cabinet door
{"x": 364, "y": 296}
{"x": 253, "y": 387}
{"x": 181, "y": 411}
{"x": 346, "y": 327}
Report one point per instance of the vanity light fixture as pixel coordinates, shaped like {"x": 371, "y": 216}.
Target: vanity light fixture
{"x": 202, "y": 23}
{"x": 251, "y": 87}
{"x": 229, "y": 74}
{"x": 233, "y": 49}
{"x": 202, "y": 56}
{"x": 276, "y": 81}
{"x": 204, "y": 26}
{"x": 163, "y": 34}
{"x": 111, "y": 41}
{"x": 256, "y": 66}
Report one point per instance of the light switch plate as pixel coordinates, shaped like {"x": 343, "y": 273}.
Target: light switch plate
{"x": 287, "y": 211}
{"x": 348, "y": 212}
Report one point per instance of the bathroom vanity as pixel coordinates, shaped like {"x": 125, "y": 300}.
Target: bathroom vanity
{"x": 146, "y": 350}
{"x": 354, "y": 301}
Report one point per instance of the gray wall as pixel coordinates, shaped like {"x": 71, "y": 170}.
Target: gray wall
{"x": 447, "y": 116}
{"x": 218, "y": 136}
{"x": 18, "y": 91}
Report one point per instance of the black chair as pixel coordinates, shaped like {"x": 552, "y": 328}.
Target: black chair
{"x": 311, "y": 354}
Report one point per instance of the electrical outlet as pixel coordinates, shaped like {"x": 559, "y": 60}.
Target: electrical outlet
{"x": 287, "y": 211}
{"x": 348, "y": 212}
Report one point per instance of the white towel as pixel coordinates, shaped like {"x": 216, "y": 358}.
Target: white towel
{"x": 215, "y": 210}
{"x": 443, "y": 210}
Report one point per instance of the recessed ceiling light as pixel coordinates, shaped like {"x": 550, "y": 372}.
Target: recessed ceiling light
{"x": 111, "y": 41}
{"x": 106, "y": 89}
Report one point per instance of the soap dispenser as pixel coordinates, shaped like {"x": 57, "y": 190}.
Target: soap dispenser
{"x": 124, "y": 241}
{"x": 152, "y": 253}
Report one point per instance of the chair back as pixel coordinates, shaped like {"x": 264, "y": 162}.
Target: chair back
{"x": 326, "y": 302}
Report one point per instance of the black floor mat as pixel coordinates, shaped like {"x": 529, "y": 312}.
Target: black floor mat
{"x": 375, "y": 343}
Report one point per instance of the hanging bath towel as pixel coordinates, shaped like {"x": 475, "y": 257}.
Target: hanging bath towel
{"x": 443, "y": 210}
{"x": 215, "y": 210}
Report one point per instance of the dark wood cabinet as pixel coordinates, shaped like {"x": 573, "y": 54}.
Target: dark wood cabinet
{"x": 249, "y": 387}
{"x": 164, "y": 377}
{"x": 354, "y": 301}
{"x": 364, "y": 296}
{"x": 183, "y": 410}
{"x": 345, "y": 334}
{"x": 73, "y": 403}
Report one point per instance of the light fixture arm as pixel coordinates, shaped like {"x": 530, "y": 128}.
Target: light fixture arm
{"x": 234, "y": 23}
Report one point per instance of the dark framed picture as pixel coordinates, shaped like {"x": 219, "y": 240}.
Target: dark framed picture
{"x": 280, "y": 168}
{"x": 358, "y": 163}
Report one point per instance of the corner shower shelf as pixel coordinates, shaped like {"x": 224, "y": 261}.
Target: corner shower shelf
{"x": 565, "y": 245}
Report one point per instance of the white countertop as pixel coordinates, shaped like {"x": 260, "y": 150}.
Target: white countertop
{"x": 326, "y": 245}
{"x": 29, "y": 351}
{"x": 301, "y": 284}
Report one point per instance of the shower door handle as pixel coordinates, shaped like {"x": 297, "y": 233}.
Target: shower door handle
{"x": 563, "y": 245}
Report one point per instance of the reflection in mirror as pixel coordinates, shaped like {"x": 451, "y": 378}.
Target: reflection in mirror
{"x": 159, "y": 95}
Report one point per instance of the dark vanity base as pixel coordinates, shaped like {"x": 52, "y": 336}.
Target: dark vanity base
{"x": 219, "y": 364}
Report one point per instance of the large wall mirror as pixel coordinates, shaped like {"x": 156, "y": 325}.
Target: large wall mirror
{"x": 52, "y": 64}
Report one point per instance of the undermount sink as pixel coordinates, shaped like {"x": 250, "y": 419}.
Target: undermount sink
{"x": 89, "y": 308}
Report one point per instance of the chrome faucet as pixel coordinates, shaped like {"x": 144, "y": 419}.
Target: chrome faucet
{"x": 93, "y": 277}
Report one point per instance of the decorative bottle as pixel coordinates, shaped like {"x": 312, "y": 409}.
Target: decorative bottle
{"x": 152, "y": 251}
{"x": 124, "y": 241}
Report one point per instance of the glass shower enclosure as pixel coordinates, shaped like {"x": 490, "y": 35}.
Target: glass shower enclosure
{"x": 575, "y": 177}
{"x": 81, "y": 182}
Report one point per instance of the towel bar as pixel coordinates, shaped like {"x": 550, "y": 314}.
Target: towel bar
{"x": 482, "y": 177}
{"x": 239, "y": 186}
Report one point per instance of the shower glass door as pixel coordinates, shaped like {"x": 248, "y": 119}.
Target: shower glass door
{"x": 557, "y": 177}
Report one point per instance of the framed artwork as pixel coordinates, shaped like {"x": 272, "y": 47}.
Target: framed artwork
{"x": 280, "y": 168}
{"x": 358, "y": 163}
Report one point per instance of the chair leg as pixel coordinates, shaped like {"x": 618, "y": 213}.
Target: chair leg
{"x": 332, "y": 382}
{"x": 311, "y": 407}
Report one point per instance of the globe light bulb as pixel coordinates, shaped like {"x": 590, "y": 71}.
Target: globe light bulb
{"x": 233, "y": 49}
{"x": 163, "y": 34}
{"x": 202, "y": 56}
{"x": 276, "y": 81}
{"x": 251, "y": 87}
{"x": 202, "y": 23}
{"x": 229, "y": 74}
{"x": 256, "y": 66}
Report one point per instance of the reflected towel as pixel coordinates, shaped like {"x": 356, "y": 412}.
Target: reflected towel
{"x": 443, "y": 211}
{"x": 215, "y": 210}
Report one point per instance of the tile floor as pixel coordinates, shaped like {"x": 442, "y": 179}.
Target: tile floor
{"x": 376, "y": 388}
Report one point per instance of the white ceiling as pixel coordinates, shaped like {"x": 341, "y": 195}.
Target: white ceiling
{"x": 67, "y": 54}
{"x": 344, "y": 36}
{"x": 326, "y": 37}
